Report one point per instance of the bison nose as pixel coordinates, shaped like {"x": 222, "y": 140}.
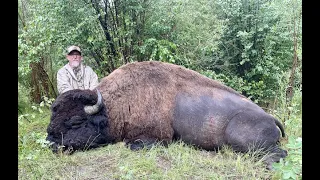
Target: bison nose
{"x": 55, "y": 147}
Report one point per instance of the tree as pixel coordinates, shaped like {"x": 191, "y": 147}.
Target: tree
{"x": 33, "y": 61}
{"x": 255, "y": 46}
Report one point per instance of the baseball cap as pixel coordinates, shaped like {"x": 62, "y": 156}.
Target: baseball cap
{"x": 73, "y": 48}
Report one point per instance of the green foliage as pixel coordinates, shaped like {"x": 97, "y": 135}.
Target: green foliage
{"x": 159, "y": 50}
{"x": 191, "y": 25}
{"x": 23, "y": 98}
{"x": 255, "y": 91}
{"x": 32, "y": 132}
{"x": 290, "y": 113}
{"x": 36, "y": 35}
{"x": 291, "y": 166}
{"x": 256, "y": 44}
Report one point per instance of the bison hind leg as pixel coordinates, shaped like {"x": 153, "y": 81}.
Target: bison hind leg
{"x": 274, "y": 156}
{"x": 247, "y": 133}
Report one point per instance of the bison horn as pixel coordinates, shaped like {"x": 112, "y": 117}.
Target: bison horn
{"x": 94, "y": 108}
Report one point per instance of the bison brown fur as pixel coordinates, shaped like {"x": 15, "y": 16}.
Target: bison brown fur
{"x": 148, "y": 102}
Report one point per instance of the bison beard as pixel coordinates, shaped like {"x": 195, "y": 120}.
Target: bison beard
{"x": 143, "y": 103}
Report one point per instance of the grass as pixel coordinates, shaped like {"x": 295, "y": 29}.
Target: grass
{"x": 177, "y": 161}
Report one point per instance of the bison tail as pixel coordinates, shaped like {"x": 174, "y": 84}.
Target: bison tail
{"x": 278, "y": 123}
{"x": 94, "y": 108}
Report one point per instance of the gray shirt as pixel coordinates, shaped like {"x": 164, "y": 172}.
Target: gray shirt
{"x": 86, "y": 78}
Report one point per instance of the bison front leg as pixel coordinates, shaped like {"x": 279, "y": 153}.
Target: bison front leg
{"x": 250, "y": 131}
{"x": 144, "y": 142}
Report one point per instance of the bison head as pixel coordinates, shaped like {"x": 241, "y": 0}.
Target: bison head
{"x": 78, "y": 121}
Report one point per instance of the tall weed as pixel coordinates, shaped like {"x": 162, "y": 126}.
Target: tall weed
{"x": 290, "y": 113}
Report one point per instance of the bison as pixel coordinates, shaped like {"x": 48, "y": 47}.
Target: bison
{"x": 143, "y": 103}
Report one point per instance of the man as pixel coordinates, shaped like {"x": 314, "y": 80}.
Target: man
{"x": 75, "y": 75}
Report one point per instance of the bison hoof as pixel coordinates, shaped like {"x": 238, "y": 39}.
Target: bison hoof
{"x": 139, "y": 144}
{"x": 136, "y": 147}
{"x": 269, "y": 167}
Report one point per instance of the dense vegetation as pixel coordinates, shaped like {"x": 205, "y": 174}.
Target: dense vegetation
{"x": 253, "y": 46}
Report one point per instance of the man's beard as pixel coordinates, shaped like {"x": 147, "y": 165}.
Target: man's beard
{"x": 74, "y": 64}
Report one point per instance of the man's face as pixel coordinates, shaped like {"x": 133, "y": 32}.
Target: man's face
{"x": 74, "y": 58}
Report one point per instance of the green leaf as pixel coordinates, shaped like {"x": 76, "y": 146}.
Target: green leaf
{"x": 286, "y": 175}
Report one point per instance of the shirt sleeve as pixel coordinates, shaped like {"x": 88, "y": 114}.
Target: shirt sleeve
{"x": 93, "y": 80}
{"x": 63, "y": 82}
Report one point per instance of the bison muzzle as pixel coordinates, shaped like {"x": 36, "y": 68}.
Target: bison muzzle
{"x": 149, "y": 102}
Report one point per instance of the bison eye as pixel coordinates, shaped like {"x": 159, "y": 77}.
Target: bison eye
{"x": 74, "y": 122}
{"x": 55, "y": 107}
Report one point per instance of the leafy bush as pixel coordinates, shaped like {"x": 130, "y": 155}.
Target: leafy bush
{"x": 256, "y": 91}
{"x": 159, "y": 50}
{"x": 23, "y": 99}
{"x": 291, "y": 166}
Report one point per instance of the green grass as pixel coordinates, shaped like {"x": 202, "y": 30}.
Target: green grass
{"x": 177, "y": 161}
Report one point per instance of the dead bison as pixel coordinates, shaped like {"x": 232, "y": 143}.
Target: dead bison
{"x": 142, "y": 103}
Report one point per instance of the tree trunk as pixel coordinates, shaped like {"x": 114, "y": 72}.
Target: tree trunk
{"x": 35, "y": 90}
{"x": 41, "y": 85}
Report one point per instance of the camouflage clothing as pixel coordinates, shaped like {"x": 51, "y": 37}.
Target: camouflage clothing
{"x": 81, "y": 78}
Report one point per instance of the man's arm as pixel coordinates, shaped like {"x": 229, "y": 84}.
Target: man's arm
{"x": 93, "y": 78}
{"x": 63, "y": 82}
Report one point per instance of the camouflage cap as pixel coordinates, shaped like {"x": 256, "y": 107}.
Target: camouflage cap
{"x": 73, "y": 48}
